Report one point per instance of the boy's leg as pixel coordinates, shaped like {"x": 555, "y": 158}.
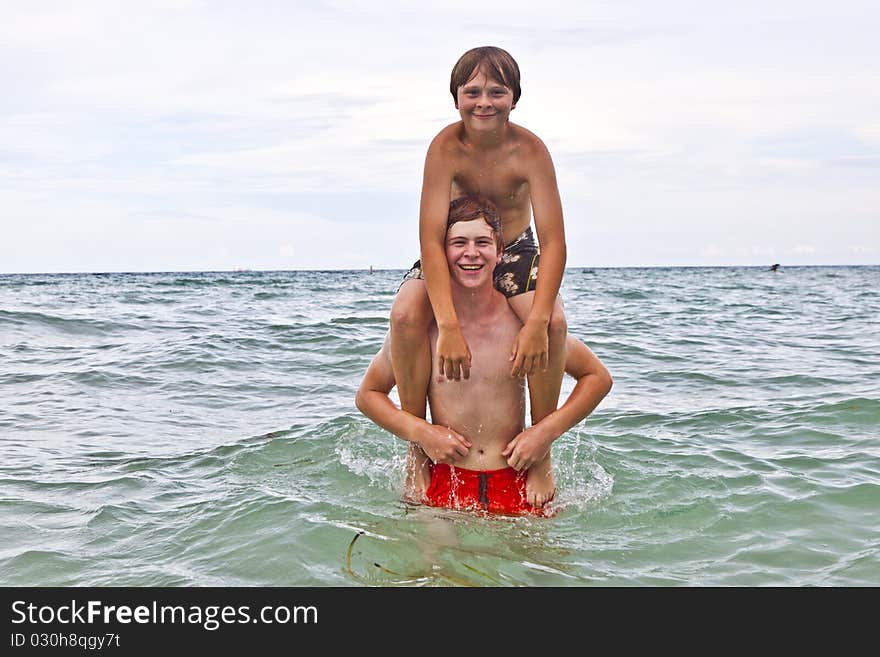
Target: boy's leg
{"x": 411, "y": 315}
{"x": 544, "y": 390}
{"x": 418, "y": 475}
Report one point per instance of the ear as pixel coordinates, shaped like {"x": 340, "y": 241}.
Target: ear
{"x": 513, "y": 107}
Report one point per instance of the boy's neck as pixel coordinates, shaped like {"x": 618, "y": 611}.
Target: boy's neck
{"x": 474, "y": 304}
{"x": 485, "y": 141}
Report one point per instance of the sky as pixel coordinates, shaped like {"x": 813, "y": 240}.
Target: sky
{"x": 178, "y": 135}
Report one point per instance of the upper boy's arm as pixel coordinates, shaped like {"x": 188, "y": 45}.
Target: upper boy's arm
{"x": 544, "y": 190}
{"x": 547, "y": 210}
{"x": 433, "y": 213}
{"x": 436, "y": 185}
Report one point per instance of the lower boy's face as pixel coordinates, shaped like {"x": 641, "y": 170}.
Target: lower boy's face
{"x": 472, "y": 253}
{"x": 484, "y": 103}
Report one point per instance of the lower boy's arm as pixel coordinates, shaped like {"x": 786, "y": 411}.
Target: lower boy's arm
{"x": 381, "y": 410}
{"x": 441, "y": 444}
{"x": 372, "y": 399}
{"x": 593, "y": 384}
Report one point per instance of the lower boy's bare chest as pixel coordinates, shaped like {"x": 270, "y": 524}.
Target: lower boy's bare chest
{"x": 491, "y": 348}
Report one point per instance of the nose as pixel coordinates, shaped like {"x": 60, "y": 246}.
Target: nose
{"x": 470, "y": 249}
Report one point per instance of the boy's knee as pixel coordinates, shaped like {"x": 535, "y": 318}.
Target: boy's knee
{"x": 557, "y": 329}
{"x": 409, "y": 318}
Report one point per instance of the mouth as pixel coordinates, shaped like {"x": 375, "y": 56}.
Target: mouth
{"x": 470, "y": 268}
{"x": 484, "y": 116}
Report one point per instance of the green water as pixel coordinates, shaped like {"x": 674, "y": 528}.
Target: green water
{"x": 199, "y": 429}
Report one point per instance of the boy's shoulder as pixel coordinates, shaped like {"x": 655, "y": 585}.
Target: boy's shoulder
{"x": 526, "y": 139}
{"x": 451, "y": 137}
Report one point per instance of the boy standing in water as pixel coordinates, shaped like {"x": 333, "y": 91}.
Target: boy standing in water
{"x": 476, "y": 422}
{"x": 484, "y": 153}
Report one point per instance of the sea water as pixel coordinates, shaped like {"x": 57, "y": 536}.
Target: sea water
{"x": 200, "y": 429}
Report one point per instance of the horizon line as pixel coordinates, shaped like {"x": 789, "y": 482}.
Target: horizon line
{"x": 404, "y": 269}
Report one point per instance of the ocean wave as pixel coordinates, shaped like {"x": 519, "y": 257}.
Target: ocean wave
{"x": 31, "y": 320}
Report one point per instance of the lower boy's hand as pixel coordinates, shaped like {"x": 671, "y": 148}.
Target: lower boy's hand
{"x": 453, "y": 355}
{"x": 530, "y": 350}
{"x": 441, "y": 444}
{"x": 527, "y": 448}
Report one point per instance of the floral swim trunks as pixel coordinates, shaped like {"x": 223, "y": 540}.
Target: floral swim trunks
{"x": 517, "y": 272}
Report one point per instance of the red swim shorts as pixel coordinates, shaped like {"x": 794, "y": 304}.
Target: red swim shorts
{"x": 494, "y": 491}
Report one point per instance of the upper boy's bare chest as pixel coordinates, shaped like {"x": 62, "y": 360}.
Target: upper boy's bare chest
{"x": 500, "y": 178}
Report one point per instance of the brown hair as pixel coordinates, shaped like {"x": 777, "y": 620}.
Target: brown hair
{"x": 498, "y": 65}
{"x": 473, "y": 206}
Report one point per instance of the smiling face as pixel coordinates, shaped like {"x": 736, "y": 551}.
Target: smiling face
{"x": 472, "y": 253}
{"x": 484, "y": 103}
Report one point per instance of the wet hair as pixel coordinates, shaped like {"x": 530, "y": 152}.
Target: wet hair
{"x": 497, "y": 64}
{"x": 473, "y": 206}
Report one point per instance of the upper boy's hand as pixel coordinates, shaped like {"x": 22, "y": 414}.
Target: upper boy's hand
{"x": 453, "y": 355}
{"x": 442, "y": 445}
{"x": 530, "y": 350}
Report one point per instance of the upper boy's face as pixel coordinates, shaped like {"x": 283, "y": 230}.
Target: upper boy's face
{"x": 472, "y": 253}
{"x": 484, "y": 103}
